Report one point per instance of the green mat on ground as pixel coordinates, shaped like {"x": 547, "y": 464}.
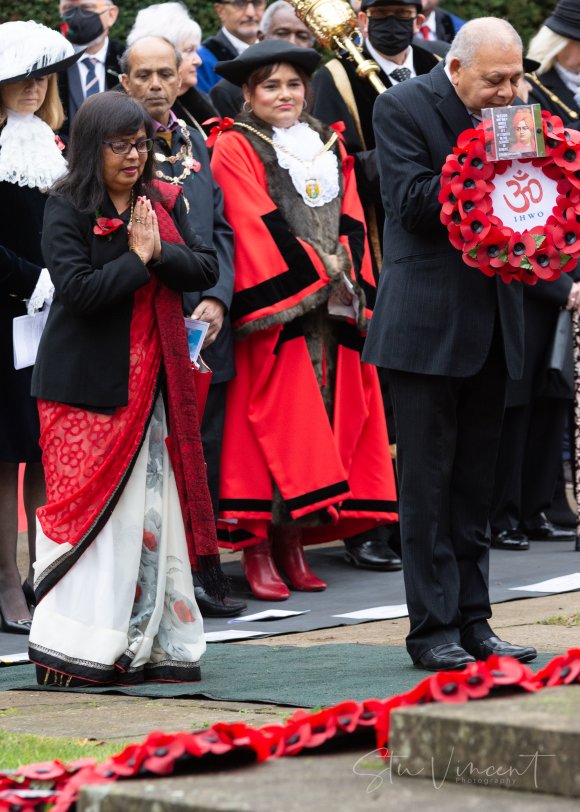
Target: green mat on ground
{"x": 310, "y": 676}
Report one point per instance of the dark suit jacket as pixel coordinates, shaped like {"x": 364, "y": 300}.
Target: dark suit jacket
{"x": 83, "y": 356}
{"x": 206, "y": 216}
{"x": 329, "y": 107}
{"x": 433, "y": 314}
{"x": 556, "y": 86}
{"x": 195, "y": 108}
{"x": 227, "y": 97}
{"x": 70, "y": 86}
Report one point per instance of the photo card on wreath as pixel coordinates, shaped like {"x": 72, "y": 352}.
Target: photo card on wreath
{"x": 516, "y": 132}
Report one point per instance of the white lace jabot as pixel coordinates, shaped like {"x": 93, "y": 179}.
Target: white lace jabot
{"x": 29, "y": 155}
{"x": 304, "y": 143}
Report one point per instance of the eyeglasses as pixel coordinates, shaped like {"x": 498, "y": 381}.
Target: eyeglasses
{"x": 379, "y": 13}
{"x": 125, "y": 147}
{"x": 241, "y": 5}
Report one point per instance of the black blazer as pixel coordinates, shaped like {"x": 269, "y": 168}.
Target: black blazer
{"x": 206, "y": 216}
{"x": 83, "y": 356}
{"x": 227, "y": 97}
{"x": 70, "y": 87}
{"x": 433, "y": 315}
{"x": 220, "y": 46}
{"x": 556, "y": 87}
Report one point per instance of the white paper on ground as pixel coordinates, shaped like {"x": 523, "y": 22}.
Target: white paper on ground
{"x": 564, "y": 583}
{"x": 378, "y": 612}
{"x": 231, "y": 634}
{"x": 268, "y": 614}
{"x": 12, "y": 659}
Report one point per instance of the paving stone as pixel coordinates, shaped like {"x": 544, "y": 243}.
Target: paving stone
{"x": 519, "y": 742}
{"x": 355, "y": 781}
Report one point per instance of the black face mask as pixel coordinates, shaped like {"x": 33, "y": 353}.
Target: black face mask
{"x": 391, "y": 36}
{"x": 83, "y": 26}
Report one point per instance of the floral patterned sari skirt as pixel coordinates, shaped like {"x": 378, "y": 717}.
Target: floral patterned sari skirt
{"x": 125, "y": 612}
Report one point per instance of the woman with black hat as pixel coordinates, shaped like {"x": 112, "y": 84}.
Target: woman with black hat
{"x": 30, "y": 162}
{"x": 305, "y": 455}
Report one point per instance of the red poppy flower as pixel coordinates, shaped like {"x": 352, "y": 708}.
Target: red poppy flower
{"x": 520, "y": 245}
{"x": 470, "y": 199}
{"x": 149, "y": 540}
{"x": 478, "y": 680}
{"x": 509, "y": 671}
{"x": 448, "y": 686}
{"x": 59, "y": 142}
{"x": 562, "y": 670}
{"x": 451, "y": 167}
{"x": 567, "y": 155}
{"x": 45, "y": 771}
{"x": 127, "y": 762}
{"x": 103, "y": 227}
{"x": 469, "y": 185}
{"x": 450, "y": 214}
{"x": 474, "y": 228}
{"x": 564, "y": 232}
{"x": 546, "y": 260}
{"x": 183, "y": 612}
{"x": 161, "y": 752}
{"x": 14, "y": 801}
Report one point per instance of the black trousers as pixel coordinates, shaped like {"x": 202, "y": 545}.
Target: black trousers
{"x": 448, "y": 432}
{"x": 212, "y": 432}
{"x": 530, "y": 458}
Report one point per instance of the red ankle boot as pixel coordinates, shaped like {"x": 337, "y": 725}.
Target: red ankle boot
{"x": 261, "y": 573}
{"x": 289, "y": 557}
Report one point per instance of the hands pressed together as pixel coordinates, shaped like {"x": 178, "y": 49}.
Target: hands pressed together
{"x": 143, "y": 229}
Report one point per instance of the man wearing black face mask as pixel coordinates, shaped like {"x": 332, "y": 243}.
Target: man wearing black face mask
{"x": 86, "y": 24}
{"x": 388, "y": 28}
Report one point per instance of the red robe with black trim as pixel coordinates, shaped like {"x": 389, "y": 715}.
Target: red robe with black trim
{"x": 277, "y": 428}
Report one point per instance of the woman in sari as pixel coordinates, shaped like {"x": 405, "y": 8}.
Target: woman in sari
{"x": 128, "y": 513}
{"x": 305, "y": 456}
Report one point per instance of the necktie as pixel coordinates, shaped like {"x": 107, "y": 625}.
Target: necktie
{"x": 425, "y": 31}
{"x": 92, "y": 81}
{"x": 400, "y": 74}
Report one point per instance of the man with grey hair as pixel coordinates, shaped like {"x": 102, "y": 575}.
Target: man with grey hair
{"x": 449, "y": 336}
{"x": 150, "y": 75}
{"x": 279, "y": 22}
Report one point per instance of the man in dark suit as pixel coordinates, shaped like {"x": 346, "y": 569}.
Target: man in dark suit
{"x": 438, "y": 25}
{"x": 240, "y": 22}
{"x": 449, "y": 336}
{"x": 150, "y": 74}
{"x": 341, "y": 95}
{"x": 86, "y": 24}
{"x": 279, "y": 22}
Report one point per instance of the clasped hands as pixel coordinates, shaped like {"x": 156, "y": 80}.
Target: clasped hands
{"x": 143, "y": 230}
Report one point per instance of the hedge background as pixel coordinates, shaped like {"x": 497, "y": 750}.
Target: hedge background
{"x": 525, "y": 15}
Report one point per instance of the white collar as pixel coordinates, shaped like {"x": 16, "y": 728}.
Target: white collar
{"x": 431, "y": 22}
{"x": 29, "y": 155}
{"x": 310, "y": 169}
{"x": 100, "y": 55}
{"x": 238, "y": 44}
{"x": 387, "y": 65}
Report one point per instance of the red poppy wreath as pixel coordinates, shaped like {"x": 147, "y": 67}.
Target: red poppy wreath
{"x": 516, "y": 219}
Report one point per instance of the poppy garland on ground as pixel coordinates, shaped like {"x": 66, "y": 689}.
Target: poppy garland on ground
{"x": 54, "y": 785}
{"x": 486, "y": 242}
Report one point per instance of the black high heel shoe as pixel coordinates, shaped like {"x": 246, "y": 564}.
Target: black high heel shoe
{"x": 29, "y": 593}
{"x": 14, "y": 626}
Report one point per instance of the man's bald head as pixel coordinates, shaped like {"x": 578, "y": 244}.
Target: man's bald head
{"x": 485, "y": 63}
{"x": 150, "y": 74}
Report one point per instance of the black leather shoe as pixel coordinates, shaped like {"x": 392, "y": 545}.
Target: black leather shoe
{"x": 212, "y": 607}
{"x": 447, "y": 657}
{"x": 374, "y": 554}
{"x": 509, "y": 540}
{"x": 493, "y": 645}
{"x": 544, "y": 530}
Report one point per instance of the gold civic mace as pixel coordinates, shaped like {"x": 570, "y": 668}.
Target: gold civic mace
{"x": 334, "y": 24}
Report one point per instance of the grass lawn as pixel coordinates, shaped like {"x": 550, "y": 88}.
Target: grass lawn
{"x": 22, "y": 748}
